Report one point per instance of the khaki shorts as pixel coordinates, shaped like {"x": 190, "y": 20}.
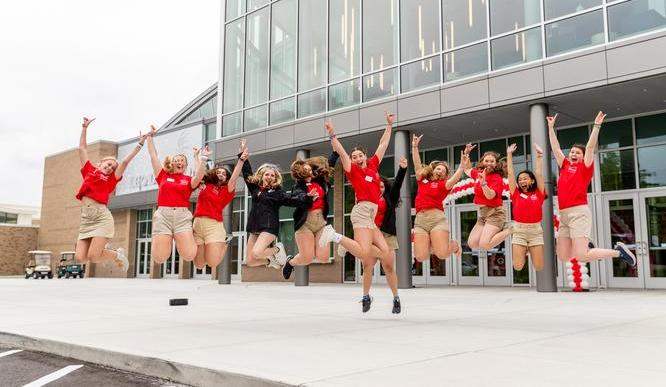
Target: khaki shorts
{"x": 494, "y": 216}
{"x": 527, "y": 234}
{"x": 171, "y": 220}
{"x": 391, "y": 241}
{"x": 429, "y": 220}
{"x": 96, "y": 221}
{"x": 363, "y": 215}
{"x": 207, "y": 230}
{"x": 314, "y": 222}
{"x": 575, "y": 222}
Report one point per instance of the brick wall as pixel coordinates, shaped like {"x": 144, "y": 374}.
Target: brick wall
{"x": 15, "y": 242}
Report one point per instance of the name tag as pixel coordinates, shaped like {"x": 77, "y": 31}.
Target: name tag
{"x": 368, "y": 179}
{"x": 522, "y": 195}
{"x": 425, "y": 181}
{"x": 171, "y": 180}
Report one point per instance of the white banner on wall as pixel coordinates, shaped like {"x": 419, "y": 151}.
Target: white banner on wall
{"x": 139, "y": 174}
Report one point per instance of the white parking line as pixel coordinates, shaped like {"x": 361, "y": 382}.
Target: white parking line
{"x": 13, "y": 351}
{"x": 53, "y": 376}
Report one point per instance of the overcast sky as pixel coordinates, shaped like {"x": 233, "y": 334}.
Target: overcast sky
{"x": 126, "y": 62}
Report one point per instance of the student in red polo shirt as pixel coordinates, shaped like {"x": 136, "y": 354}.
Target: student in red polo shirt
{"x": 527, "y": 196}
{"x": 217, "y": 190}
{"x": 362, "y": 173}
{"x": 99, "y": 181}
{"x": 490, "y": 229}
{"x": 431, "y": 228}
{"x": 575, "y": 175}
{"x": 172, "y": 221}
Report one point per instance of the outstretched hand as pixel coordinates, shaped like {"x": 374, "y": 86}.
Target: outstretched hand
{"x": 464, "y": 160}
{"x": 538, "y": 150}
{"x": 153, "y": 130}
{"x": 329, "y": 128}
{"x": 551, "y": 120}
{"x": 512, "y": 148}
{"x": 87, "y": 121}
{"x": 600, "y": 118}
{"x": 243, "y": 146}
{"x": 244, "y": 155}
{"x": 313, "y": 194}
{"x": 390, "y": 118}
{"x": 403, "y": 162}
{"x": 469, "y": 148}
{"x": 416, "y": 140}
{"x": 206, "y": 152}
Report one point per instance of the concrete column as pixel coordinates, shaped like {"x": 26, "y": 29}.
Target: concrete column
{"x": 403, "y": 214}
{"x": 302, "y": 273}
{"x": 224, "y": 268}
{"x": 546, "y": 278}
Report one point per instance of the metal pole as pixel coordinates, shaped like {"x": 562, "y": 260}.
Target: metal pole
{"x": 302, "y": 273}
{"x": 547, "y": 277}
{"x": 403, "y": 215}
{"x": 224, "y": 268}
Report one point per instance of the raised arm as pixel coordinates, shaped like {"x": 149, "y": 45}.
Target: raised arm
{"x": 123, "y": 164}
{"x": 201, "y": 157}
{"x": 416, "y": 156}
{"x": 246, "y": 169}
{"x": 468, "y": 168}
{"x": 337, "y": 146}
{"x": 386, "y": 137}
{"x": 231, "y": 184}
{"x": 591, "y": 146}
{"x": 538, "y": 169}
{"x": 511, "y": 174}
{"x": 154, "y": 160}
{"x": 488, "y": 192}
{"x": 399, "y": 179}
{"x": 83, "y": 142}
{"x": 464, "y": 162}
{"x": 554, "y": 142}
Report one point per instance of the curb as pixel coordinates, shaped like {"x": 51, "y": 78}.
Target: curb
{"x": 151, "y": 366}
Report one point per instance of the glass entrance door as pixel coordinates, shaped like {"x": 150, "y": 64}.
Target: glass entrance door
{"x": 653, "y": 246}
{"x": 621, "y": 214}
{"x": 143, "y": 258}
{"x": 237, "y": 247}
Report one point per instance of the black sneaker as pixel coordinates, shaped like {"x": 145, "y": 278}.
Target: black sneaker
{"x": 366, "y": 301}
{"x": 396, "y": 305}
{"x": 590, "y": 245}
{"x": 626, "y": 255}
{"x": 287, "y": 269}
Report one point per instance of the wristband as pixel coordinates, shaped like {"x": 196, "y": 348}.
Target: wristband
{"x": 203, "y": 158}
{"x": 332, "y": 136}
{"x": 484, "y": 184}
{"x": 140, "y": 144}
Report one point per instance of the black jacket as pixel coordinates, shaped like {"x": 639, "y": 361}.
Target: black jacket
{"x": 301, "y": 212}
{"x": 392, "y": 196}
{"x": 265, "y": 212}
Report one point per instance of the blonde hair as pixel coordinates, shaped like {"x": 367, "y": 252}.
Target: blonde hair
{"x": 428, "y": 171}
{"x": 500, "y": 166}
{"x": 256, "y": 178}
{"x": 168, "y": 162}
{"x": 110, "y": 158}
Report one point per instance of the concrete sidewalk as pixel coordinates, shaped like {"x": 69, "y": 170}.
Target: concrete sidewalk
{"x": 317, "y": 335}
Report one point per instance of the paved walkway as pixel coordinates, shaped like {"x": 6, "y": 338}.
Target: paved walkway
{"x": 318, "y": 336}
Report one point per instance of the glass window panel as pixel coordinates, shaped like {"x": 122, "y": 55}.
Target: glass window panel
{"x": 312, "y": 44}
{"x": 283, "y": 48}
{"x": 651, "y": 129}
{"x": 379, "y": 85}
{"x": 208, "y": 109}
{"x": 210, "y": 132}
{"x": 464, "y": 22}
{"x": 420, "y": 74}
{"x": 312, "y": 103}
{"x": 568, "y": 137}
{"x": 235, "y": 8}
{"x": 465, "y": 62}
{"x": 436, "y": 155}
{"x": 254, "y": 4}
{"x": 380, "y": 34}
{"x": 282, "y": 111}
{"x": 231, "y": 124}
{"x": 256, "y": 58}
{"x": 474, "y": 156}
{"x": 386, "y": 168}
{"x": 574, "y": 33}
{"x": 635, "y": 17}
{"x": 286, "y": 236}
{"x": 256, "y": 118}
{"x": 344, "y": 39}
{"x": 651, "y": 166}
{"x": 419, "y": 28}
{"x": 518, "y": 48}
{"x": 234, "y": 61}
{"x": 622, "y": 229}
{"x": 350, "y": 199}
{"x": 557, "y": 8}
{"x": 510, "y": 15}
{"x": 344, "y": 94}
{"x": 470, "y": 259}
{"x": 616, "y": 134}
{"x": 498, "y": 146}
{"x": 617, "y": 170}
{"x": 656, "y": 221}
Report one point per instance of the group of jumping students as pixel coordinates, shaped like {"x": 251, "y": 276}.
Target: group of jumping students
{"x": 202, "y": 238}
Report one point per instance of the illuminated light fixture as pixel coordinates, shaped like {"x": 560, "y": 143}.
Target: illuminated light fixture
{"x": 470, "y": 13}
{"x": 522, "y": 38}
{"x": 421, "y": 40}
{"x": 392, "y": 11}
{"x": 453, "y": 44}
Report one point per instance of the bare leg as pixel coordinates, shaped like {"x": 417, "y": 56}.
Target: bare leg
{"x": 160, "y": 249}
{"x": 82, "y": 246}
{"x": 258, "y": 250}
{"x": 98, "y": 253}
{"x": 214, "y": 253}
{"x": 440, "y": 244}
{"x": 368, "y": 268}
{"x": 305, "y": 240}
{"x": 388, "y": 264}
{"x": 360, "y": 246}
{"x": 499, "y": 238}
{"x": 564, "y": 249}
{"x": 200, "y": 259}
{"x": 474, "y": 239}
{"x": 322, "y": 254}
{"x": 585, "y": 254}
{"x": 421, "y": 246}
{"x": 536, "y": 253}
{"x": 519, "y": 254}
{"x": 186, "y": 245}
{"x": 487, "y": 235}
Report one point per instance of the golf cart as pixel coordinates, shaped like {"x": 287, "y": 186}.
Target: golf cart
{"x": 39, "y": 265}
{"x": 68, "y": 267}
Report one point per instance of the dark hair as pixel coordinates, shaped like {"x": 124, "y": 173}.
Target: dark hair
{"x": 360, "y": 149}
{"x": 211, "y": 176}
{"x": 500, "y": 166}
{"x": 320, "y": 167}
{"x": 579, "y": 146}
{"x": 533, "y": 187}
{"x": 387, "y": 185}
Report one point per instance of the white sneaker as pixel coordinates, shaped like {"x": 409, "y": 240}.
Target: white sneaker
{"x": 281, "y": 256}
{"x": 122, "y": 257}
{"x": 272, "y": 262}
{"x": 327, "y": 236}
{"x": 341, "y": 251}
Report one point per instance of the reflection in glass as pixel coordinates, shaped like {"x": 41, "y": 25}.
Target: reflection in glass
{"x": 256, "y": 58}
{"x": 470, "y": 259}
{"x": 437, "y": 266}
{"x": 380, "y": 85}
{"x": 380, "y": 34}
{"x": 617, "y": 170}
{"x": 344, "y": 94}
{"x": 344, "y": 39}
{"x": 498, "y": 146}
{"x": 282, "y": 111}
{"x": 518, "y": 48}
{"x": 522, "y": 277}
{"x": 656, "y": 223}
{"x": 234, "y": 61}
{"x": 465, "y": 62}
{"x": 651, "y": 166}
{"x": 312, "y": 103}
{"x": 510, "y": 15}
{"x": 557, "y": 8}
{"x": 254, "y": 4}
{"x": 623, "y": 230}
{"x": 286, "y": 236}
{"x": 311, "y": 44}
{"x": 651, "y": 129}
{"x": 635, "y": 17}
{"x": 234, "y": 8}
{"x": 231, "y": 124}
{"x": 497, "y": 261}
{"x": 419, "y": 22}
{"x": 283, "y": 48}
{"x": 574, "y": 33}
{"x": 256, "y": 118}
{"x": 464, "y": 22}
{"x": 420, "y": 74}
{"x": 616, "y": 134}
